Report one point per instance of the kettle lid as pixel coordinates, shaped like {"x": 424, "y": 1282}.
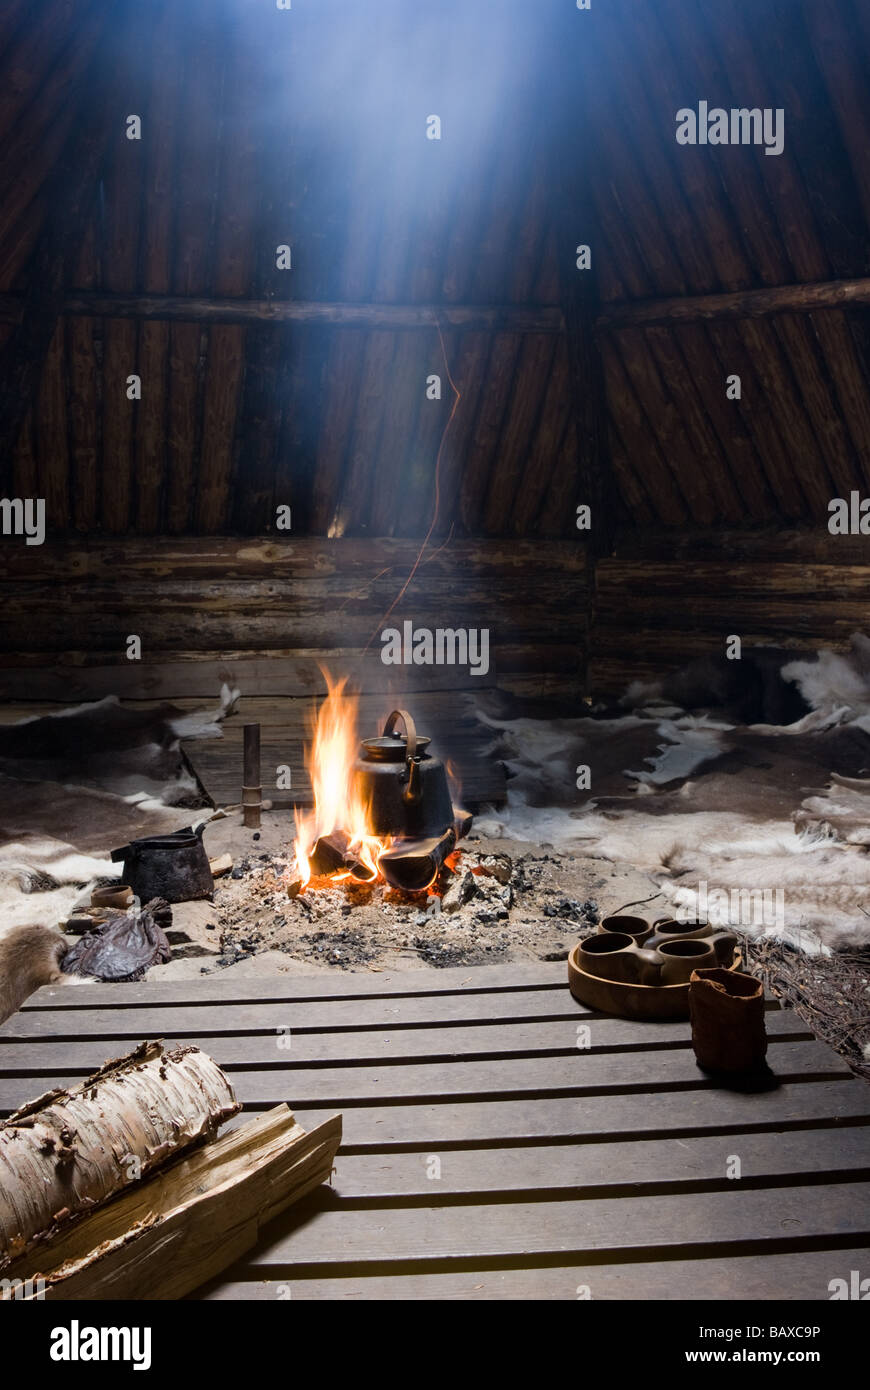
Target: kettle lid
{"x": 391, "y": 748}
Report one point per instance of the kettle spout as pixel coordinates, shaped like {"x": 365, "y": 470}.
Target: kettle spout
{"x": 414, "y": 788}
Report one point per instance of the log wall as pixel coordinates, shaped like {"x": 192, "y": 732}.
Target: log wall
{"x": 268, "y": 614}
{"x": 662, "y": 600}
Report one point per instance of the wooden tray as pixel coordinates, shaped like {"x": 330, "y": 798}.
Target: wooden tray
{"x": 630, "y": 1000}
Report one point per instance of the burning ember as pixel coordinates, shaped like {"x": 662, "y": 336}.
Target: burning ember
{"x": 383, "y": 812}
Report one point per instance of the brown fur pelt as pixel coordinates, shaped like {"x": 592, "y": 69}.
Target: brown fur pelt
{"x": 30, "y": 957}
{"x": 106, "y": 746}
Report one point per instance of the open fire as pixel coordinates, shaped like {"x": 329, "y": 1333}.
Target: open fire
{"x": 340, "y": 815}
{"x": 382, "y": 810}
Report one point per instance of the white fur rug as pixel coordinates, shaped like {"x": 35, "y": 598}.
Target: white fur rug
{"x": 764, "y": 827}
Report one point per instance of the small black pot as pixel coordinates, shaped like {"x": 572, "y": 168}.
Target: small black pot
{"x": 174, "y": 867}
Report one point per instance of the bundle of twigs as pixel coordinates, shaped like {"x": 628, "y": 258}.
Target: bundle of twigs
{"x": 830, "y": 993}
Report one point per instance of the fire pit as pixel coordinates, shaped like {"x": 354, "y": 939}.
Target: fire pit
{"x": 379, "y": 874}
{"x": 381, "y": 811}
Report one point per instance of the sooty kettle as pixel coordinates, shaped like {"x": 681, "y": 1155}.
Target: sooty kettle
{"x": 174, "y": 867}
{"x": 403, "y": 786}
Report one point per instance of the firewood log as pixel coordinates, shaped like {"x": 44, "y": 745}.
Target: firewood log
{"x": 185, "y": 1223}
{"x": 72, "y": 1150}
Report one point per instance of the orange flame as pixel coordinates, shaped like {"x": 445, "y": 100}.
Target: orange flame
{"x": 454, "y": 783}
{"x": 337, "y": 804}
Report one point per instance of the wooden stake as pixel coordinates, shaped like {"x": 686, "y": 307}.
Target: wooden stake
{"x": 251, "y": 789}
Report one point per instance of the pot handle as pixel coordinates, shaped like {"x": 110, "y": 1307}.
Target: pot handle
{"x": 649, "y": 964}
{"x": 723, "y": 942}
{"x": 410, "y": 729}
{"x": 119, "y": 854}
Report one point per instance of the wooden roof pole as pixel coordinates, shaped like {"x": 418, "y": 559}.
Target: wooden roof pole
{"x": 576, "y": 227}
{"x": 737, "y": 304}
{"x": 512, "y": 318}
{"x": 70, "y": 194}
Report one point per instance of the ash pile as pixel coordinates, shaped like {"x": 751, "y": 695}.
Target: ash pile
{"x": 481, "y": 908}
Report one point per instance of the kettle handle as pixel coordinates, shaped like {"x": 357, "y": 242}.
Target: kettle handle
{"x": 410, "y": 729}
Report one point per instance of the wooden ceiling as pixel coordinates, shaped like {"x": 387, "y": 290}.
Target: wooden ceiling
{"x": 412, "y": 257}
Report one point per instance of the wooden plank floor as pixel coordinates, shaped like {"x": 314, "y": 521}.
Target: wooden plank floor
{"x": 488, "y": 1155}
{"x": 447, "y": 717}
